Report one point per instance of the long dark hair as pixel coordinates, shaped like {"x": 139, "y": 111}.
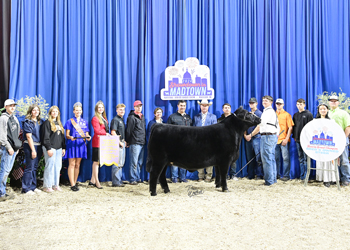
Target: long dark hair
{"x": 29, "y": 112}
{"x": 318, "y": 111}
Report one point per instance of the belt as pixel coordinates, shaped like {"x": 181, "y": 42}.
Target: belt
{"x": 267, "y": 133}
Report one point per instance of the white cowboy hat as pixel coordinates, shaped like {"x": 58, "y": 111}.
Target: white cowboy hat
{"x": 205, "y": 101}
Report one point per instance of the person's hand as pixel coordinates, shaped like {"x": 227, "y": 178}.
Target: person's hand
{"x": 284, "y": 142}
{"x": 63, "y": 152}
{"x": 11, "y": 152}
{"x": 89, "y": 138}
{"x": 248, "y": 137}
{"x": 72, "y": 138}
{"x": 50, "y": 153}
{"x": 33, "y": 154}
{"x": 126, "y": 144}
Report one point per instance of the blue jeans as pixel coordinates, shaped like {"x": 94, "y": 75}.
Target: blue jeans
{"x": 285, "y": 156}
{"x": 175, "y": 173}
{"x": 344, "y": 164}
{"x": 252, "y": 149}
{"x": 267, "y": 147}
{"x": 136, "y": 160}
{"x": 6, "y": 165}
{"x": 117, "y": 171}
{"x": 29, "y": 175}
{"x": 233, "y": 169}
{"x": 53, "y": 167}
{"x": 302, "y": 161}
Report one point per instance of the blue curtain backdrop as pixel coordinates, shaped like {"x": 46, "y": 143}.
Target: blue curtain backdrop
{"x": 117, "y": 51}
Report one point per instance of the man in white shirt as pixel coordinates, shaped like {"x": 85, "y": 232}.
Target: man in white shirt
{"x": 269, "y": 133}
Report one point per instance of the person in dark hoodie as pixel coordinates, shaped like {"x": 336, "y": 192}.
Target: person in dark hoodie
{"x": 54, "y": 148}
{"x": 226, "y": 108}
{"x": 136, "y": 138}
{"x": 300, "y": 119}
{"x": 9, "y": 143}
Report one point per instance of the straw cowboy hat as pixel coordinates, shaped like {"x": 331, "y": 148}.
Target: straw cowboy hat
{"x": 205, "y": 101}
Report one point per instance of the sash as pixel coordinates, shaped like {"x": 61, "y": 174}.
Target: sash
{"x": 78, "y": 128}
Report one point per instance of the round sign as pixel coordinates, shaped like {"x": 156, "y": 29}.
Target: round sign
{"x": 323, "y": 140}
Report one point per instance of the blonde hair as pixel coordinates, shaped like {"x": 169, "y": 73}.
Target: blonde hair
{"x": 58, "y": 119}
{"x": 97, "y": 114}
{"x": 30, "y": 110}
{"x": 121, "y": 105}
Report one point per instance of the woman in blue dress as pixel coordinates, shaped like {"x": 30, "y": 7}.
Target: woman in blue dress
{"x": 76, "y": 148}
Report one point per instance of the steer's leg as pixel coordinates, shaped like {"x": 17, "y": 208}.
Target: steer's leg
{"x": 223, "y": 173}
{"x": 217, "y": 177}
{"x": 162, "y": 180}
{"x": 153, "y": 178}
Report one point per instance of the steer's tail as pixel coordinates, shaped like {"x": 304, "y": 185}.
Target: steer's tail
{"x": 148, "y": 163}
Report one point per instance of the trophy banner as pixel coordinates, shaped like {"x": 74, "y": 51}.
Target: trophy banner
{"x": 109, "y": 150}
{"x": 323, "y": 140}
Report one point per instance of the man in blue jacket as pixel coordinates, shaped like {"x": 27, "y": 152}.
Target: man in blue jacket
{"x": 204, "y": 118}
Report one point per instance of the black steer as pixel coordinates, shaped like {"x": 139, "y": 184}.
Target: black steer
{"x": 193, "y": 148}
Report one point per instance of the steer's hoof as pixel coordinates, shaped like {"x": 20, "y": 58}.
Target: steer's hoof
{"x": 153, "y": 194}
{"x": 217, "y": 186}
{"x": 225, "y": 190}
{"x": 167, "y": 190}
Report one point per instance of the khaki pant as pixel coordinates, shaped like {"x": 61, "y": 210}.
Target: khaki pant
{"x": 209, "y": 174}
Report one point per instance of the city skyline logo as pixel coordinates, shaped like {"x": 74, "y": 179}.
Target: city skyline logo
{"x": 187, "y": 80}
{"x": 322, "y": 137}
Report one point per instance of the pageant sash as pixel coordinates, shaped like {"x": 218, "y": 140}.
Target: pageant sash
{"x": 78, "y": 128}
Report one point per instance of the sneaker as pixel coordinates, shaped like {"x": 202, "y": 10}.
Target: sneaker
{"x": 118, "y": 185}
{"x": 234, "y": 178}
{"x": 133, "y": 183}
{"x": 200, "y": 179}
{"x": 207, "y": 180}
{"x": 285, "y": 179}
{"x": 37, "y": 191}
{"x": 327, "y": 184}
{"x": 48, "y": 190}
{"x": 174, "y": 180}
{"x": 7, "y": 197}
{"x": 184, "y": 180}
{"x": 74, "y": 188}
{"x": 259, "y": 178}
{"x": 30, "y": 192}
{"x": 57, "y": 188}
{"x": 345, "y": 183}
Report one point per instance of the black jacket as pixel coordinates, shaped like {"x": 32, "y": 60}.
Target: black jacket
{"x": 222, "y": 117}
{"x": 178, "y": 119}
{"x": 135, "y": 129}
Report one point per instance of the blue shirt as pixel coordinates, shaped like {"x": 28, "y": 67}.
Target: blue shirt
{"x": 32, "y": 127}
{"x": 258, "y": 113}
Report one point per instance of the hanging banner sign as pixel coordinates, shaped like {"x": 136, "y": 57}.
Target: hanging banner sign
{"x": 323, "y": 140}
{"x": 187, "y": 80}
{"x": 109, "y": 150}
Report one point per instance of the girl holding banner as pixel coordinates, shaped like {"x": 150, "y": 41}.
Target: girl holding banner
{"x": 327, "y": 177}
{"x": 100, "y": 125}
{"x": 77, "y": 133}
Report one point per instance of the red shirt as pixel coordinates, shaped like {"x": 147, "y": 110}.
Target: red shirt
{"x": 99, "y": 129}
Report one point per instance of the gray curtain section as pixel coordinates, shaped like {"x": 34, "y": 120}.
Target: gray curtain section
{"x": 5, "y": 27}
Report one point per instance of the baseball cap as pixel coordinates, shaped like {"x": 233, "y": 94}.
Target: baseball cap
{"x": 137, "y": 102}
{"x": 333, "y": 97}
{"x": 253, "y": 100}
{"x": 279, "y": 100}
{"x": 9, "y": 102}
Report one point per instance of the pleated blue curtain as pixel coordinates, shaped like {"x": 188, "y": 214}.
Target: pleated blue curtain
{"x": 117, "y": 51}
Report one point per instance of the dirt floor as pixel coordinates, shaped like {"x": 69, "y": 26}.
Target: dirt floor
{"x": 193, "y": 215}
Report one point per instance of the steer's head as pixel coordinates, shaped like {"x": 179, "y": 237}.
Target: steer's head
{"x": 248, "y": 118}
